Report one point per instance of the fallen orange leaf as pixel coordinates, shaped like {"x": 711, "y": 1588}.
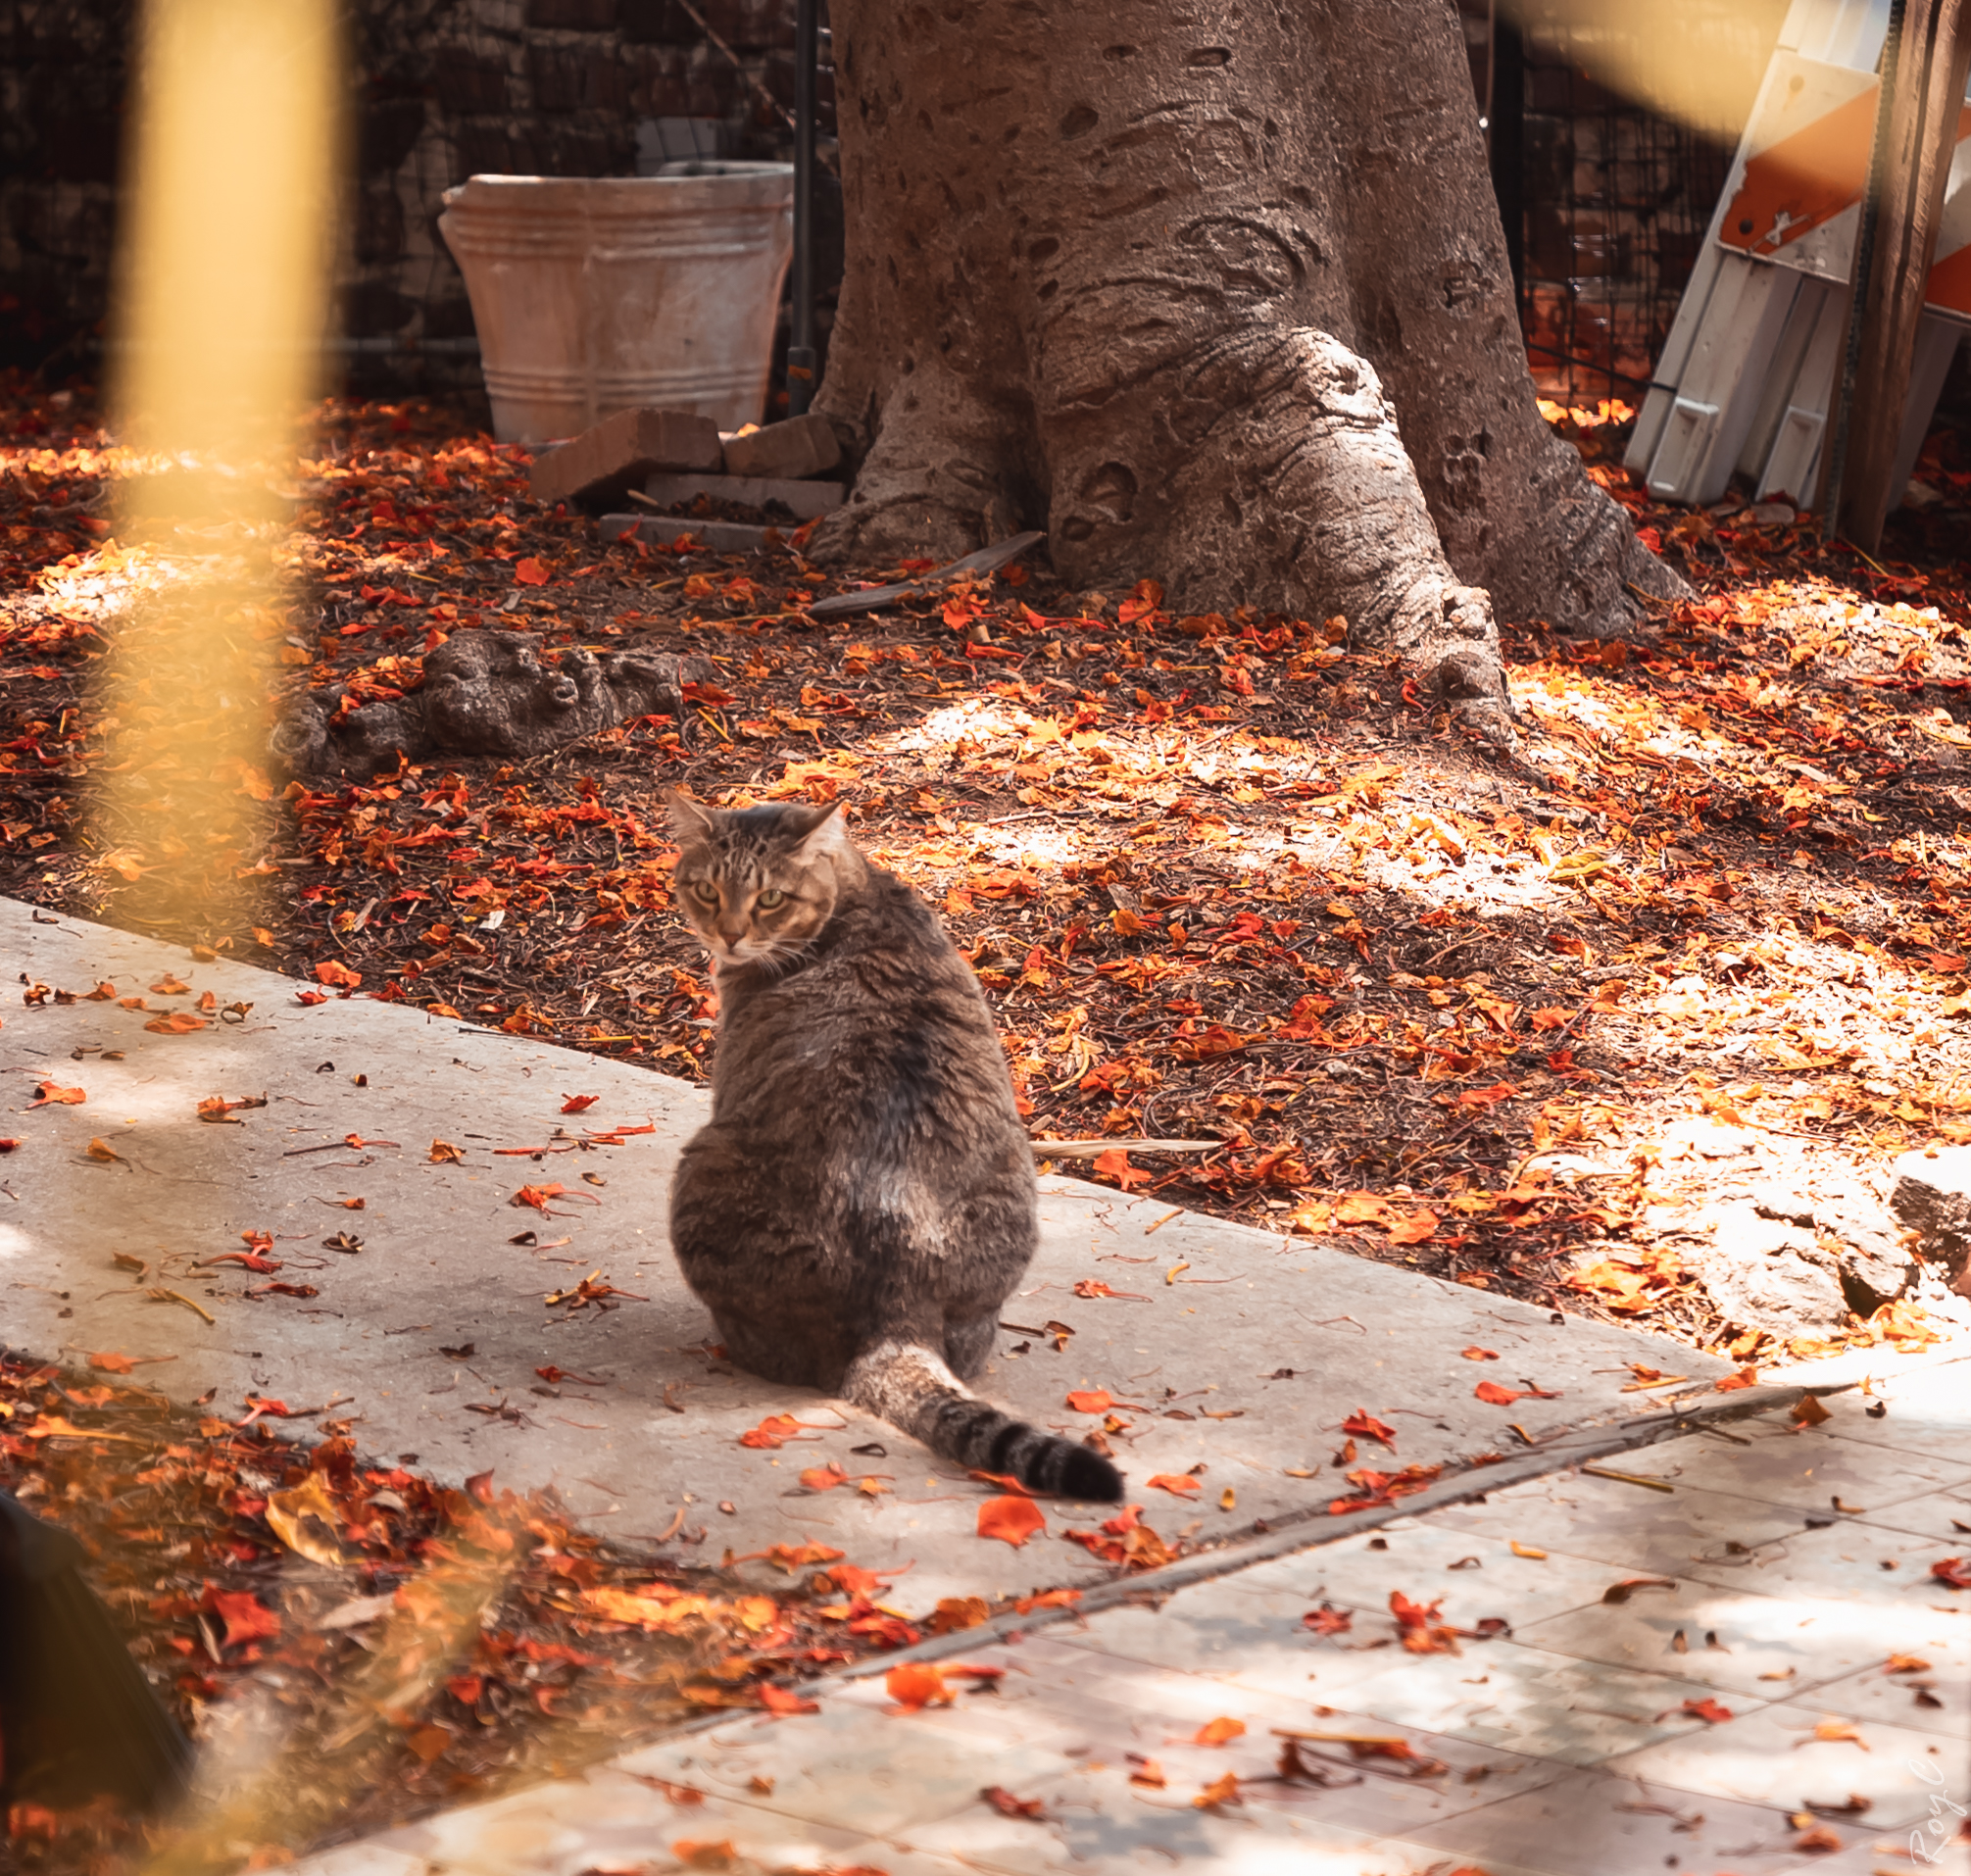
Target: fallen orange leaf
{"x": 1218, "y": 1730}
{"x": 1090, "y": 1401}
{"x": 428, "y": 1742}
{"x": 775, "y": 1431}
{"x": 179, "y": 1023}
{"x": 917, "y": 1685}
{"x": 1047, "y": 1599}
{"x": 245, "y": 1617}
{"x": 1220, "y": 1791}
{"x": 792, "y": 1557}
{"x": 1008, "y": 1806}
{"x": 1418, "y": 1625}
{"x": 52, "y": 1095}
{"x": 1362, "y": 1421}
{"x": 781, "y": 1700}
{"x": 1180, "y": 1483}
{"x": 1413, "y": 1228}
{"x": 1012, "y": 1520}
{"x": 1114, "y": 1163}
{"x": 696, "y": 1855}
{"x": 956, "y": 1612}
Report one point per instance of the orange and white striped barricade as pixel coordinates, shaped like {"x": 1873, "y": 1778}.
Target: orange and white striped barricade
{"x": 1746, "y": 375}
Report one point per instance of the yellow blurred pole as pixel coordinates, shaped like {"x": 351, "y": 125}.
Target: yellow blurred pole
{"x": 229, "y": 222}
{"x": 222, "y": 290}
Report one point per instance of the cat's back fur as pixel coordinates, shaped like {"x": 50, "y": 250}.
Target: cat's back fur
{"x": 862, "y": 1200}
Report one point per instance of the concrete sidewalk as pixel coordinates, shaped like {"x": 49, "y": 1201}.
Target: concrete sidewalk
{"x": 1752, "y": 1671}
{"x": 1575, "y": 1741}
{"x": 1233, "y": 1356}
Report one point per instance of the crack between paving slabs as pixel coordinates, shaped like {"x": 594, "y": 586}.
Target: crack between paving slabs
{"x": 1291, "y": 1533}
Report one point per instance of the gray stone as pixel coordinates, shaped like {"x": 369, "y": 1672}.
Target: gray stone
{"x": 1771, "y": 1199}
{"x": 715, "y": 537}
{"x": 1930, "y": 1194}
{"x": 1763, "y": 1273}
{"x": 1874, "y": 1258}
{"x": 483, "y": 694}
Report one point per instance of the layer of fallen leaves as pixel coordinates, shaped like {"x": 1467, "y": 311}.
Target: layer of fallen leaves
{"x": 1221, "y": 876}
{"x": 356, "y": 1642}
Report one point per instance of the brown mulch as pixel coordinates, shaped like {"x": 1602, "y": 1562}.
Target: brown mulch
{"x": 1222, "y": 878}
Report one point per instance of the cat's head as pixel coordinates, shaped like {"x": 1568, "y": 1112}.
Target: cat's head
{"x": 758, "y": 884}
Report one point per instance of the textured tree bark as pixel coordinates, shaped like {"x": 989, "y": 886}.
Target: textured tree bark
{"x": 1217, "y": 294}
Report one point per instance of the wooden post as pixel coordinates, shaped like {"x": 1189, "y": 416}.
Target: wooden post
{"x": 1931, "y": 73}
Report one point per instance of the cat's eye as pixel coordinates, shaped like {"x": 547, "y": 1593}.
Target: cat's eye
{"x": 705, "y": 892}
{"x": 770, "y": 899}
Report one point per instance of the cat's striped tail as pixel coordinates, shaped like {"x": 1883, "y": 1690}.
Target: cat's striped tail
{"x": 913, "y": 1388}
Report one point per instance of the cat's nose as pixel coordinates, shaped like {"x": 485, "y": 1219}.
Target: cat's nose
{"x": 729, "y": 938}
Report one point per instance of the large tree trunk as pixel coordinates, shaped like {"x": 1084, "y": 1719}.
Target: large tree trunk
{"x": 1217, "y": 295}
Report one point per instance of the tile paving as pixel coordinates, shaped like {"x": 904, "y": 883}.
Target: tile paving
{"x": 1564, "y": 1750}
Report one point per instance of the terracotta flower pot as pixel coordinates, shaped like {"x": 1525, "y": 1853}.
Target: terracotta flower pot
{"x": 598, "y": 295}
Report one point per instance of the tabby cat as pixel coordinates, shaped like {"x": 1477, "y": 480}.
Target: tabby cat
{"x": 862, "y": 1203}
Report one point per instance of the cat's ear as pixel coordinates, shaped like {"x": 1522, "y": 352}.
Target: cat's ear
{"x": 824, "y": 831}
{"x": 687, "y": 817}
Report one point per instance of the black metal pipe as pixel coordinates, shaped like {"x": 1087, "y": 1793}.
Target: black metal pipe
{"x": 1506, "y": 137}
{"x": 801, "y": 339}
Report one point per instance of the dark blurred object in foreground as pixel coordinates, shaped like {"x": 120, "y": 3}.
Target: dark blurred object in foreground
{"x": 77, "y": 1719}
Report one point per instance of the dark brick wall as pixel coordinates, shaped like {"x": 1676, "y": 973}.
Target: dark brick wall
{"x": 441, "y": 89}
